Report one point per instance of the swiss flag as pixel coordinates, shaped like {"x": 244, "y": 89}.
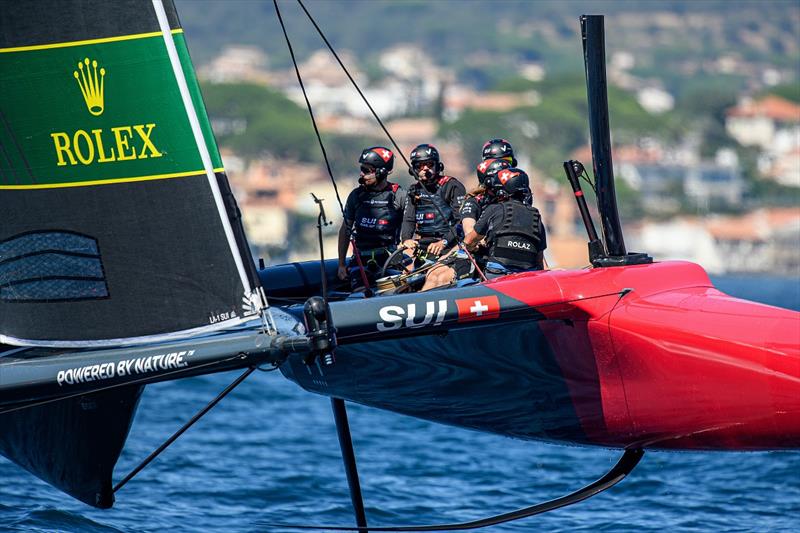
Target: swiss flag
{"x": 383, "y": 222}
{"x": 478, "y": 308}
{"x": 429, "y": 216}
{"x": 386, "y": 155}
{"x": 505, "y": 175}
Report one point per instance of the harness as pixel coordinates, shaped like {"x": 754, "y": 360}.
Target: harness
{"x": 430, "y": 223}
{"x": 516, "y": 244}
{"x": 377, "y": 222}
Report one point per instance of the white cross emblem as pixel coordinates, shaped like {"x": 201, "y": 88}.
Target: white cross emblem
{"x": 385, "y": 154}
{"x": 479, "y": 308}
{"x": 483, "y": 165}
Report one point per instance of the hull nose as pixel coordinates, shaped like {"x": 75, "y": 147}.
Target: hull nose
{"x": 703, "y": 370}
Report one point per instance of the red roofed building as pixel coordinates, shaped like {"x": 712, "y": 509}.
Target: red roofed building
{"x": 755, "y": 122}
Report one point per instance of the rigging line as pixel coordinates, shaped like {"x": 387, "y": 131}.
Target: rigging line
{"x": 356, "y": 252}
{"x": 183, "y": 428}
{"x": 147, "y": 379}
{"x": 308, "y": 105}
{"x": 10, "y": 165}
{"x": 630, "y": 458}
{"x": 347, "y": 72}
{"x": 19, "y": 148}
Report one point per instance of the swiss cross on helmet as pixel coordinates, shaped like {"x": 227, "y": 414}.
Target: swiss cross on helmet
{"x": 425, "y": 153}
{"x": 379, "y": 158}
{"x": 509, "y": 183}
{"x": 499, "y": 149}
{"x": 490, "y": 167}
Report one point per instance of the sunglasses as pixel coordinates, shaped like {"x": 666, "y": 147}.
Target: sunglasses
{"x": 367, "y": 170}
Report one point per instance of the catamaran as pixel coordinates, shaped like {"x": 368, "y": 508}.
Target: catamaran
{"x": 123, "y": 262}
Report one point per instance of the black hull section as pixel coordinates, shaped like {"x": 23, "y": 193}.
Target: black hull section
{"x": 73, "y": 444}
{"x": 473, "y": 377}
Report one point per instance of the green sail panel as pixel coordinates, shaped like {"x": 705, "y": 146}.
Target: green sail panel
{"x": 113, "y": 228}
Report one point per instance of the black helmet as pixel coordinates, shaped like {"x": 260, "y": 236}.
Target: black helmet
{"x": 499, "y": 149}
{"x": 509, "y": 183}
{"x": 425, "y": 152}
{"x": 490, "y": 167}
{"x": 379, "y": 158}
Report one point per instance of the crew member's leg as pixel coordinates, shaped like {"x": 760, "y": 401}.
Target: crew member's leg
{"x": 438, "y": 276}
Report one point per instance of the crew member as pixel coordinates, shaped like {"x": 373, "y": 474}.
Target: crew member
{"x": 499, "y": 149}
{"x": 431, "y": 210}
{"x": 513, "y": 232}
{"x": 476, "y": 199}
{"x": 373, "y": 215}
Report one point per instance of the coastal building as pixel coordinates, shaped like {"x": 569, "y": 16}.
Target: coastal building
{"x": 757, "y": 122}
{"x": 762, "y": 241}
{"x": 773, "y": 125}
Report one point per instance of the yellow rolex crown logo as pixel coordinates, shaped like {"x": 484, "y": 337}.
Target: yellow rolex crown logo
{"x": 91, "y": 85}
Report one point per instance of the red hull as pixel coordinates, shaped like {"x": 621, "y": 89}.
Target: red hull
{"x": 678, "y": 364}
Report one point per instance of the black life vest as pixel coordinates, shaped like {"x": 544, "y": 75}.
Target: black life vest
{"x": 377, "y": 222}
{"x": 516, "y": 243}
{"x": 432, "y": 223}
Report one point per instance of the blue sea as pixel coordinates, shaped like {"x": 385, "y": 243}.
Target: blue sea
{"x": 269, "y": 453}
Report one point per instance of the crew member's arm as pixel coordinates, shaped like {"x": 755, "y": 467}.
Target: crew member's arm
{"x": 344, "y": 234}
{"x": 409, "y": 222}
{"x": 454, "y": 195}
{"x": 343, "y": 245}
{"x": 482, "y": 226}
{"x": 472, "y": 239}
{"x": 468, "y": 210}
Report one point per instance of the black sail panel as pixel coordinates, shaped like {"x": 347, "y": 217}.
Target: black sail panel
{"x": 73, "y": 444}
{"x": 116, "y": 220}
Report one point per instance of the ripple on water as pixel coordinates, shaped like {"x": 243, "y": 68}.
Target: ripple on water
{"x": 269, "y": 453}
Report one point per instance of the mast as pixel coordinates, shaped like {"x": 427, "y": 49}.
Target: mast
{"x": 594, "y": 57}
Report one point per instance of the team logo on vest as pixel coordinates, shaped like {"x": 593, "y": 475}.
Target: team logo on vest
{"x": 520, "y": 245}
{"x": 119, "y": 143}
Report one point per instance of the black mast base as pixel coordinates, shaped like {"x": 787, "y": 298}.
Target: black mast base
{"x": 633, "y": 258}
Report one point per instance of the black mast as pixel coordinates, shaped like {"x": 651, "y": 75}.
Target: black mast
{"x": 594, "y": 57}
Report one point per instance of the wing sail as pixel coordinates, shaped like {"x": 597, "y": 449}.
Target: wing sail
{"x": 117, "y": 224}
